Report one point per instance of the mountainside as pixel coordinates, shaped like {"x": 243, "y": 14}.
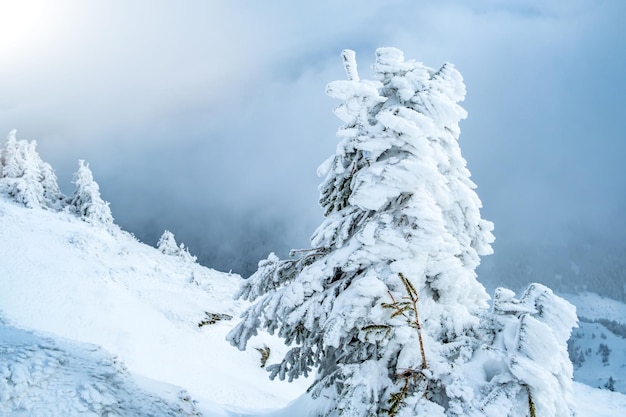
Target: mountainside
{"x": 115, "y": 326}
{"x": 164, "y": 316}
{"x": 598, "y": 346}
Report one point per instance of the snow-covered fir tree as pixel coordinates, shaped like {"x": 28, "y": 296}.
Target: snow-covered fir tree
{"x": 86, "y": 200}
{"x": 167, "y": 243}
{"x": 385, "y": 305}
{"x": 168, "y": 246}
{"x": 26, "y": 177}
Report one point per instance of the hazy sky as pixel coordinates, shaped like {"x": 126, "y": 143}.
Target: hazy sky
{"x": 209, "y": 118}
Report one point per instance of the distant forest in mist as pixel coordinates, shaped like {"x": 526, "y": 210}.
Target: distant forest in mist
{"x": 579, "y": 260}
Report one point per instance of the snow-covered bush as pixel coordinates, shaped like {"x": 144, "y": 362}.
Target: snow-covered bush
{"x": 86, "y": 200}
{"x": 26, "y": 177}
{"x": 402, "y": 235}
{"x": 168, "y": 246}
{"x": 527, "y": 363}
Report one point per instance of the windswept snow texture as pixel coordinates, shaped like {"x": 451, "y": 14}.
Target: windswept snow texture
{"x": 165, "y": 317}
{"x": 40, "y": 376}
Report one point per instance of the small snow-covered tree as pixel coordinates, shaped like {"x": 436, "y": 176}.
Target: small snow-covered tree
{"x": 385, "y": 304}
{"x": 168, "y": 246}
{"x": 12, "y": 157}
{"x": 86, "y": 200}
{"x": 527, "y": 358}
{"x": 167, "y": 243}
{"x": 20, "y": 176}
{"x": 53, "y": 197}
{"x": 26, "y": 177}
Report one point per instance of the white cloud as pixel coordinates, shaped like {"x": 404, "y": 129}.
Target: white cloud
{"x": 220, "y": 105}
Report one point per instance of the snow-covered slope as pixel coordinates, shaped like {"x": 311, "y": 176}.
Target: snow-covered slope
{"x": 592, "y": 307}
{"x": 113, "y": 327}
{"x": 71, "y": 279}
{"x": 599, "y": 357}
{"x": 593, "y": 402}
{"x": 598, "y": 346}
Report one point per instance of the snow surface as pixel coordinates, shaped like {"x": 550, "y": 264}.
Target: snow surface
{"x": 94, "y": 322}
{"x": 71, "y": 279}
{"x": 599, "y": 357}
{"x": 590, "y": 307}
{"x": 593, "y": 402}
{"x": 42, "y": 376}
{"x": 598, "y": 345}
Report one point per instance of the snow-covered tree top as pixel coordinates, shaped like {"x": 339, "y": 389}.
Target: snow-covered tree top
{"x": 86, "y": 200}
{"x": 168, "y": 246}
{"x": 26, "y": 177}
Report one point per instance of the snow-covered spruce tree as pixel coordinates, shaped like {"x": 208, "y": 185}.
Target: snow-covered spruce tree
{"x": 167, "y": 245}
{"x": 26, "y": 177}
{"x": 86, "y": 200}
{"x": 385, "y": 305}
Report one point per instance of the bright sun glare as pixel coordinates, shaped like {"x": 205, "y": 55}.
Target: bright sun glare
{"x": 22, "y": 24}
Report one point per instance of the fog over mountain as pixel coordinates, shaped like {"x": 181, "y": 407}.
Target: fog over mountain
{"x": 210, "y": 119}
